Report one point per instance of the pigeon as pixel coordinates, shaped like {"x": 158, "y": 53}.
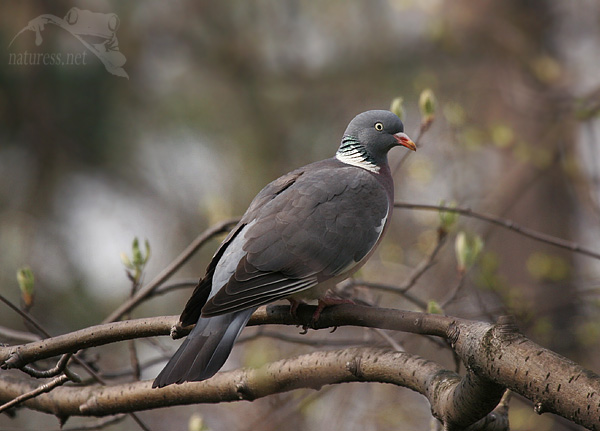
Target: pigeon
{"x": 302, "y": 234}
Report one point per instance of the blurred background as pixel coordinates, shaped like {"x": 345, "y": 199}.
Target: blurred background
{"x": 216, "y": 99}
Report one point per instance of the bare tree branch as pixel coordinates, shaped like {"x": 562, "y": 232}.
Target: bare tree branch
{"x": 507, "y": 224}
{"x": 423, "y": 128}
{"x": 17, "y": 356}
{"x": 68, "y": 373}
{"x": 99, "y": 424}
{"x": 496, "y": 357}
{"x": 314, "y": 370}
{"x": 427, "y": 263}
{"x": 60, "y": 367}
{"x": 25, "y": 315}
{"x": 183, "y": 257}
{"x": 46, "y": 387}
{"x": 14, "y": 334}
{"x": 398, "y": 290}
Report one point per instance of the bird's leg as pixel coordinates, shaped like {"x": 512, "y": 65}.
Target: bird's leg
{"x": 294, "y": 304}
{"x": 328, "y": 301}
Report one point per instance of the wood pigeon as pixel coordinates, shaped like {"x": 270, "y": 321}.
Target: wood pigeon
{"x": 303, "y": 233}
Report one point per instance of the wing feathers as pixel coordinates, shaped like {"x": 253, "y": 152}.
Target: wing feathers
{"x": 300, "y": 230}
{"x": 220, "y": 304}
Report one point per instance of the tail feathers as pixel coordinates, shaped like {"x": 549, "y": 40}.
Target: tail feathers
{"x": 205, "y": 349}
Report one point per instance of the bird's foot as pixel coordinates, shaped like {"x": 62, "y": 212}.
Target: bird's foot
{"x": 294, "y": 304}
{"x": 328, "y": 301}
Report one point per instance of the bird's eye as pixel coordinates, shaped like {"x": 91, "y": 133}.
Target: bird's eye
{"x": 379, "y": 126}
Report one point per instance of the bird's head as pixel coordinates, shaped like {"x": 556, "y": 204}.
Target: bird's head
{"x": 370, "y": 136}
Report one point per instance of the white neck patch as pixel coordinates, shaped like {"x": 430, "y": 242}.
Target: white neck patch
{"x": 357, "y": 160}
{"x": 352, "y": 152}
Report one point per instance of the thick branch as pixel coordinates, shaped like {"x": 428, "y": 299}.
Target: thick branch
{"x": 407, "y": 321}
{"x": 492, "y": 353}
{"x": 47, "y": 387}
{"x": 18, "y": 356}
{"x": 314, "y": 370}
{"x": 553, "y": 383}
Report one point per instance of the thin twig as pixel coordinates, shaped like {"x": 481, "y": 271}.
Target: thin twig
{"x": 391, "y": 288}
{"x": 47, "y": 387}
{"x": 176, "y": 285}
{"x": 507, "y": 224}
{"x": 454, "y": 292}
{"x": 135, "y": 362}
{"x": 424, "y": 265}
{"x": 424, "y": 128}
{"x": 133, "y": 357}
{"x": 98, "y": 424}
{"x": 14, "y": 334}
{"x": 81, "y": 362}
{"x": 29, "y": 318}
{"x": 25, "y": 315}
{"x": 138, "y": 421}
{"x": 388, "y": 339}
{"x": 183, "y": 257}
{"x": 60, "y": 367}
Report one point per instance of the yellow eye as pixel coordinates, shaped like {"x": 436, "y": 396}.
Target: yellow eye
{"x": 379, "y": 126}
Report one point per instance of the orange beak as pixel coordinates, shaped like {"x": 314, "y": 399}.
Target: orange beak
{"x": 405, "y": 141}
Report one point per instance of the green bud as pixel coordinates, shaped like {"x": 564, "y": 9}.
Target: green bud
{"x": 137, "y": 253}
{"x": 468, "y": 247}
{"x": 126, "y": 261}
{"x": 434, "y": 308}
{"x": 25, "y": 279}
{"x": 138, "y": 260}
{"x": 398, "y": 108}
{"x": 147, "y": 247}
{"x": 26, "y": 283}
{"x": 427, "y": 104}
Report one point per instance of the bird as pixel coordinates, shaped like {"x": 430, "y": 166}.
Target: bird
{"x": 302, "y": 234}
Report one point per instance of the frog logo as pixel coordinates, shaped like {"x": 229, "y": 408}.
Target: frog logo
{"x": 96, "y": 31}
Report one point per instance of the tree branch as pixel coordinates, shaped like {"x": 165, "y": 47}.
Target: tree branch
{"x": 507, "y": 224}
{"x": 496, "y": 357}
{"x": 47, "y": 387}
{"x": 18, "y": 356}
{"x": 308, "y": 371}
{"x": 68, "y": 373}
{"x": 13, "y": 334}
{"x": 183, "y": 257}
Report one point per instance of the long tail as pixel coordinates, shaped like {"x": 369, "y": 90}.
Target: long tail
{"x": 205, "y": 349}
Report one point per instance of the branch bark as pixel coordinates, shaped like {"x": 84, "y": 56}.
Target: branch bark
{"x": 496, "y": 356}
{"x": 443, "y": 388}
